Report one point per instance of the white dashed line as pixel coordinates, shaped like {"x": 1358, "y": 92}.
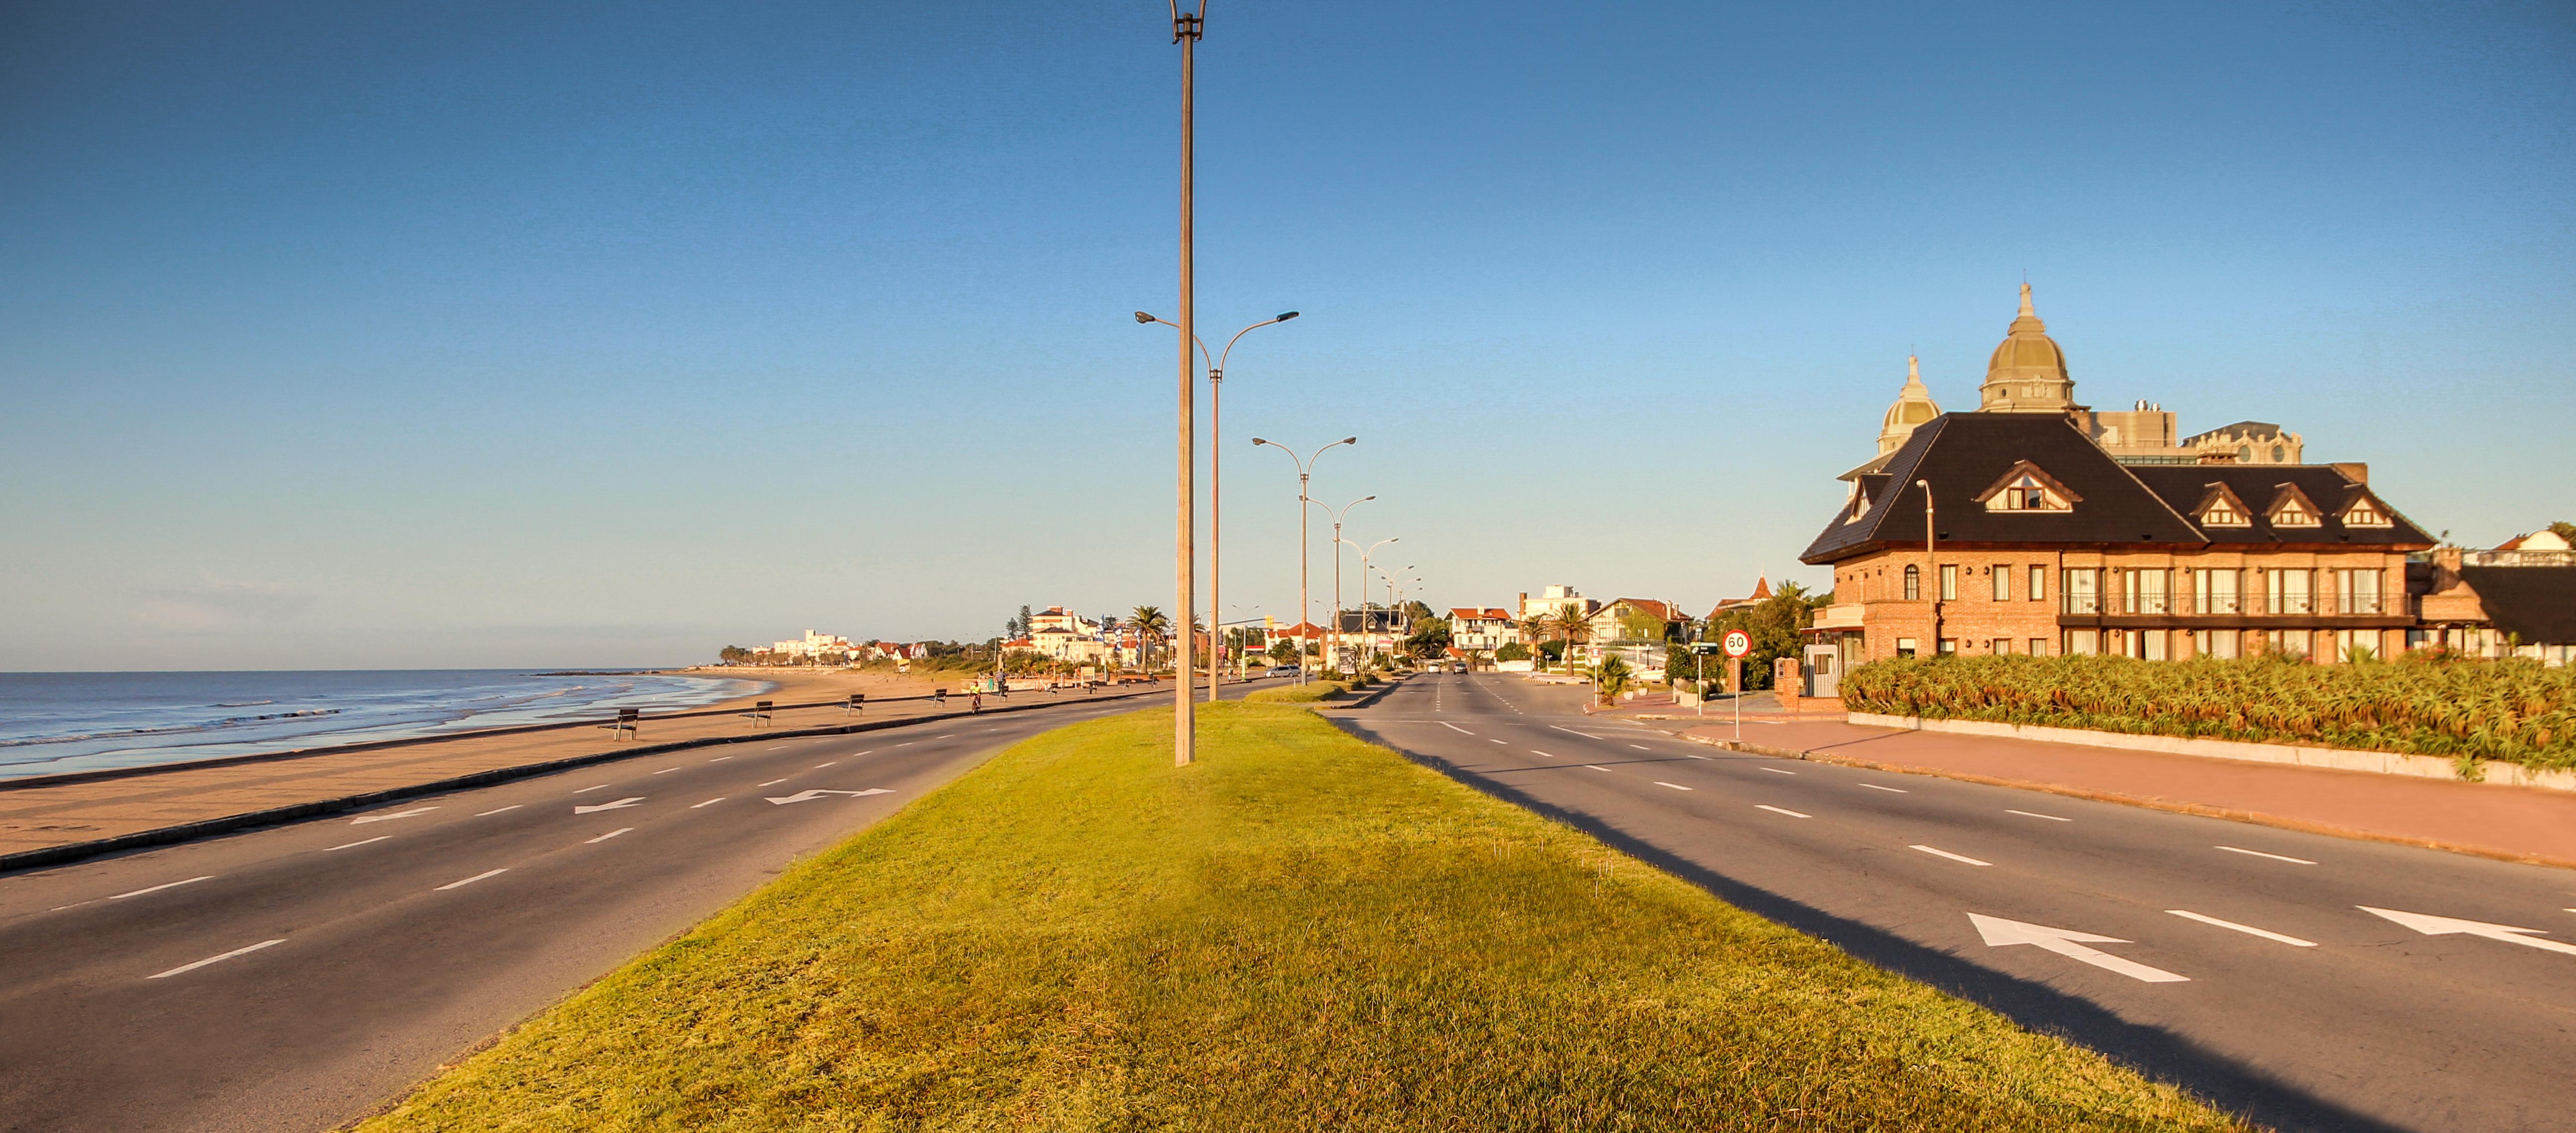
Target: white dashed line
{"x": 609, "y": 835}
{"x": 1552, "y": 755}
{"x": 773, "y": 782}
{"x": 2034, "y": 814}
{"x": 162, "y": 886}
{"x": 1694, "y": 755}
{"x": 1777, "y": 771}
{"x": 666, "y": 770}
{"x": 1890, "y": 790}
{"x": 1675, "y": 786}
{"x": 364, "y": 819}
{"x": 1949, "y": 855}
{"x": 2249, "y": 930}
{"x": 1780, "y": 810}
{"x": 720, "y": 759}
{"x": 1491, "y": 740}
{"x": 820, "y": 766}
{"x": 473, "y": 879}
{"x": 587, "y": 790}
{"x": 214, "y": 959}
{"x": 709, "y": 802}
{"x": 1597, "y": 767}
{"x": 2261, "y": 854}
{"x": 1585, "y": 735}
{"x": 360, "y": 842}
{"x": 1454, "y": 728}
{"x": 513, "y": 806}
{"x": 1641, "y": 747}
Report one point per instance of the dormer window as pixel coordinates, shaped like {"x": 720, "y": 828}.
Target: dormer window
{"x": 2364, "y": 512}
{"x": 2224, "y": 513}
{"x": 2026, "y": 488}
{"x": 2293, "y": 513}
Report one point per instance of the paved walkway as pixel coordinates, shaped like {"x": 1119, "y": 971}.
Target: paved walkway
{"x": 2518, "y": 823}
{"x": 44, "y": 816}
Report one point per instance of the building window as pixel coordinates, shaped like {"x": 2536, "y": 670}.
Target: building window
{"x": 2286, "y": 642}
{"x": 2287, "y": 593}
{"x": 2292, "y": 513}
{"x": 2083, "y": 592}
{"x": 2215, "y": 592}
{"x": 2214, "y": 642}
{"x": 2039, "y": 647}
{"x": 1949, "y": 646}
{"x": 1905, "y": 645}
{"x": 2144, "y": 591}
{"x": 2357, "y": 591}
{"x": 2003, "y": 583}
{"x": 2038, "y": 583}
{"x": 2222, "y": 513}
{"x": 2002, "y": 647}
{"x": 2363, "y": 514}
{"x": 2147, "y": 644}
{"x": 2356, "y": 644}
{"x": 2279, "y": 454}
{"x": 1913, "y": 583}
{"x": 1949, "y": 582}
{"x": 2083, "y": 642}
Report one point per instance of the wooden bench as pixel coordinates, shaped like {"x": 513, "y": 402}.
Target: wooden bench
{"x": 858, "y": 703}
{"x": 624, "y": 727}
{"x": 759, "y": 714}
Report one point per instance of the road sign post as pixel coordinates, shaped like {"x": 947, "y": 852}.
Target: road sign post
{"x": 1737, "y": 643}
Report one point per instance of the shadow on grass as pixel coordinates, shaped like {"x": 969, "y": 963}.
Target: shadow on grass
{"x": 2156, "y": 1052}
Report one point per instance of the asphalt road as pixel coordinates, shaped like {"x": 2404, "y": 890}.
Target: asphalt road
{"x": 2239, "y": 961}
{"x": 296, "y": 977}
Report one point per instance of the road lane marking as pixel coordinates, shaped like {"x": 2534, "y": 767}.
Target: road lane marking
{"x": 620, "y": 804}
{"x": 473, "y": 879}
{"x": 162, "y": 886}
{"x": 1694, "y": 755}
{"x": 1641, "y": 747}
{"x": 666, "y": 770}
{"x": 512, "y": 806}
{"x": 1552, "y": 756}
{"x": 820, "y": 766}
{"x": 2431, "y": 925}
{"x": 364, "y": 819}
{"x": 1675, "y": 786}
{"x": 1780, "y": 810}
{"x": 1951, "y": 856}
{"x": 214, "y": 959}
{"x": 1777, "y": 771}
{"x": 1889, "y": 790}
{"x": 1998, "y": 932}
{"x": 1585, "y": 735}
{"x": 1454, "y": 728}
{"x": 781, "y": 747}
{"x": 2247, "y": 929}
{"x": 2034, "y": 814}
{"x": 775, "y": 782}
{"x": 1598, "y": 767}
{"x": 587, "y": 790}
{"x": 607, "y": 836}
{"x": 907, "y": 743}
{"x": 360, "y": 842}
{"x": 709, "y": 802}
{"x": 808, "y": 796}
{"x": 1491, "y": 740}
{"x": 720, "y": 759}
{"x": 2261, "y": 854}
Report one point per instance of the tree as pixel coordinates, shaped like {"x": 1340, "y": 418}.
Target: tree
{"x": 1512, "y": 651}
{"x": 733, "y": 654}
{"x": 1430, "y": 638}
{"x": 1283, "y": 652}
{"x": 1566, "y": 624}
{"x": 1773, "y": 624}
{"x": 1151, "y": 627}
{"x": 2564, "y": 530}
{"x": 1612, "y": 677}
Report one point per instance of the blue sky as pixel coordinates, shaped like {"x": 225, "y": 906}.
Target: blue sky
{"x": 556, "y": 334}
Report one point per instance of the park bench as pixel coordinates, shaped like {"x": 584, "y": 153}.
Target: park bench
{"x": 759, "y": 714}
{"x": 858, "y": 703}
{"x": 624, "y": 727}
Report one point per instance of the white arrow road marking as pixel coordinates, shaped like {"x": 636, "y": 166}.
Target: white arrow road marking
{"x": 1454, "y": 728}
{"x": 1889, "y": 790}
{"x": 2261, "y": 854}
{"x": 2247, "y": 929}
{"x": 473, "y": 879}
{"x": 618, "y": 805}
{"x": 1952, "y": 857}
{"x": 2034, "y": 814}
{"x": 2431, "y": 925}
{"x": 360, "y": 842}
{"x": 1780, "y": 810}
{"x": 1675, "y": 786}
{"x": 364, "y": 819}
{"x": 162, "y": 886}
{"x": 816, "y": 793}
{"x": 213, "y": 959}
{"x": 512, "y": 806}
{"x": 607, "y": 836}
{"x": 1999, "y": 932}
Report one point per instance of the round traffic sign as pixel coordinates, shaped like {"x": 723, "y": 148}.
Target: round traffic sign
{"x": 1738, "y": 643}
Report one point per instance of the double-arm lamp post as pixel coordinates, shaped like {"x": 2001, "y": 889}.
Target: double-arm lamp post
{"x": 1305, "y": 466}
{"x": 1333, "y": 634}
{"x": 1365, "y": 552}
{"x": 1216, "y": 474}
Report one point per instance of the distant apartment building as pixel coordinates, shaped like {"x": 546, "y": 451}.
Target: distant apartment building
{"x": 1553, "y": 600}
{"x": 1482, "y": 628}
{"x": 817, "y": 647}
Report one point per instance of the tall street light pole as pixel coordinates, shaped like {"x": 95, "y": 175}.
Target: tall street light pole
{"x": 1333, "y": 636}
{"x": 1364, "y": 573}
{"x": 1931, "y": 566}
{"x": 1305, "y": 465}
{"x": 1185, "y": 31}
{"x": 1216, "y": 471}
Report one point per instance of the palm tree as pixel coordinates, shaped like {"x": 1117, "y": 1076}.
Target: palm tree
{"x": 1611, "y": 678}
{"x": 1150, "y": 626}
{"x": 1568, "y": 626}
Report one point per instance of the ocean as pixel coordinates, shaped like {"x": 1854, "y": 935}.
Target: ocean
{"x": 57, "y": 722}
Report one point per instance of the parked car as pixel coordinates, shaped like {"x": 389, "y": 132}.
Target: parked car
{"x": 1281, "y": 671}
{"x": 1457, "y": 666}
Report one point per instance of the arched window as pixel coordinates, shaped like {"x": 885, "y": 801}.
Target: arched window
{"x": 2245, "y": 454}
{"x": 2279, "y": 454}
{"x": 1913, "y": 584}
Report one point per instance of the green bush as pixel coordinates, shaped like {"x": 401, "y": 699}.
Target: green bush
{"x": 2512, "y": 711}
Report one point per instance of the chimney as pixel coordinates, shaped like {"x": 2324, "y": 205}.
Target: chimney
{"x": 2353, "y": 470}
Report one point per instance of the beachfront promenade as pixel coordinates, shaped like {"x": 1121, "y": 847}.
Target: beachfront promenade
{"x": 42, "y": 817}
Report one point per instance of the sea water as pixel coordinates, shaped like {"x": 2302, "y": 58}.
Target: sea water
{"x": 57, "y": 722}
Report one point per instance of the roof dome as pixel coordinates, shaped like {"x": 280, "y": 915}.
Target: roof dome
{"x": 1913, "y": 406}
{"x": 2027, "y": 373}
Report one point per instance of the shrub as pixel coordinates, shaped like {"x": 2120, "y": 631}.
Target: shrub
{"x": 2514, "y": 711}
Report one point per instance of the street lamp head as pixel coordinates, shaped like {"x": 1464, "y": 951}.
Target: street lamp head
{"x": 1284, "y": 316}
{"x": 1365, "y": 499}
{"x": 1142, "y": 317}
{"x": 1350, "y": 440}
{"x": 1259, "y": 441}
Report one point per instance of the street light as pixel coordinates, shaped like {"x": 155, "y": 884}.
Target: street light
{"x": 1305, "y": 466}
{"x": 1185, "y": 32}
{"x": 1364, "y": 569}
{"x": 1931, "y": 566}
{"x": 1334, "y": 634}
{"x": 1216, "y": 457}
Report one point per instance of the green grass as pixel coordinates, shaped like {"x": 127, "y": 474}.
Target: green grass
{"x": 1302, "y": 932}
{"x": 1306, "y": 693}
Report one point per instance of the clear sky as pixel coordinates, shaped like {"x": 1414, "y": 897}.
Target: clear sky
{"x": 342, "y": 335}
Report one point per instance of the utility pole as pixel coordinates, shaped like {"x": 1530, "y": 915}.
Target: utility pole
{"x": 1185, "y": 31}
{"x": 1931, "y": 566}
{"x": 1305, "y": 466}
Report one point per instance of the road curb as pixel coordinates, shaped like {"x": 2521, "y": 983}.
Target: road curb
{"x": 191, "y": 831}
{"x": 2204, "y": 810}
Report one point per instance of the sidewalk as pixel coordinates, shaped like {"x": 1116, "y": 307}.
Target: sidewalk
{"x": 42, "y": 817}
{"x": 2513, "y": 823}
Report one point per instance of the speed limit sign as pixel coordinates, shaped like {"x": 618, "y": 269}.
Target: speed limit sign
{"x": 1738, "y": 643}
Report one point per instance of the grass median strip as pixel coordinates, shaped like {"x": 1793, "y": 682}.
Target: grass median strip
{"x": 1301, "y": 932}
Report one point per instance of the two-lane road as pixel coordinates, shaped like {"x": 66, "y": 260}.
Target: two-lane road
{"x": 294, "y": 977}
{"x": 2310, "y": 982}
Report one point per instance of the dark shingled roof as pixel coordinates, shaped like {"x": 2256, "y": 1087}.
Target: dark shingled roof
{"x": 2535, "y": 604}
{"x": 1964, "y": 454}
